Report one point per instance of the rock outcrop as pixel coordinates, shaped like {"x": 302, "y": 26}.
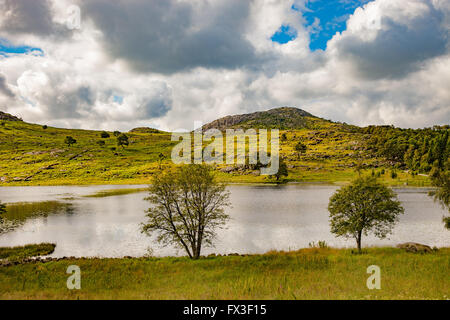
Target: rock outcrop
{"x": 282, "y": 118}
{"x": 8, "y": 117}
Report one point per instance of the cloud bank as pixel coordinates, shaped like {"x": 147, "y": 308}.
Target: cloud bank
{"x": 168, "y": 63}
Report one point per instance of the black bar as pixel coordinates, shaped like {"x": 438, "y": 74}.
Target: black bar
{"x": 236, "y": 309}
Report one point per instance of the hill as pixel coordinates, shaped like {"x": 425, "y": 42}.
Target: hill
{"x": 145, "y": 130}
{"x": 32, "y": 154}
{"x": 279, "y": 118}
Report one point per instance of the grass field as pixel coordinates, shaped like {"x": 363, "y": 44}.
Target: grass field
{"x": 32, "y": 155}
{"x": 305, "y": 274}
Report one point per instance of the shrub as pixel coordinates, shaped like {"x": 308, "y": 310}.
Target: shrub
{"x": 104, "y": 135}
{"x": 70, "y": 141}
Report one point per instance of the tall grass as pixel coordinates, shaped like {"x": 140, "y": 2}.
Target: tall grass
{"x": 315, "y": 273}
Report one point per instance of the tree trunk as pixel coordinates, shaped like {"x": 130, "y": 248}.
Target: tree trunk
{"x": 358, "y": 241}
{"x": 194, "y": 250}
{"x": 199, "y": 246}
{"x": 197, "y": 254}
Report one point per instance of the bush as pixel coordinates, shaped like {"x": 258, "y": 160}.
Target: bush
{"x": 70, "y": 141}
{"x": 122, "y": 140}
{"x": 104, "y": 135}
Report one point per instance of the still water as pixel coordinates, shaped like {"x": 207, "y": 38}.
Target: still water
{"x": 262, "y": 218}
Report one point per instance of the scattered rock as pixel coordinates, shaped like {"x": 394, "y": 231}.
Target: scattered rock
{"x": 34, "y": 153}
{"x": 415, "y": 247}
{"x": 49, "y": 167}
{"x": 55, "y": 152}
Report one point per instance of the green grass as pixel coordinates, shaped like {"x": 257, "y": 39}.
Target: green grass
{"x": 305, "y": 274}
{"x": 31, "y": 250}
{"x": 31, "y": 155}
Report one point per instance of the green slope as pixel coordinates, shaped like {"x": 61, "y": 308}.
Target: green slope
{"x": 31, "y": 154}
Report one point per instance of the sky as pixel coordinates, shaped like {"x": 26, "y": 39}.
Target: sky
{"x": 116, "y": 65}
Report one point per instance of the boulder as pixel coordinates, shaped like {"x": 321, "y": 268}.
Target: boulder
{"x": 415, "y": 247}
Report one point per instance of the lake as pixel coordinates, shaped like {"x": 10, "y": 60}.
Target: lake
{"x": 263, "y": 218}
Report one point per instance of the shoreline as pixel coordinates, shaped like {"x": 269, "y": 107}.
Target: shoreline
{"x": 228, "y": 183}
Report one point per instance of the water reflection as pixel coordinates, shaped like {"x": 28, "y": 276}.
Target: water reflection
{"x": 263, "y": 218}
{"x": 19, "y": 212}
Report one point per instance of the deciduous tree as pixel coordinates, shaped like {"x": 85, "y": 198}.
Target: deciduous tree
{"x": 187, "y": 208}
{"x": 362, "y": 207}
{"x": 441, "y": 180}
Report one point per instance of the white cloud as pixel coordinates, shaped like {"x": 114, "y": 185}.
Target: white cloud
{"x": 174, "y": 62}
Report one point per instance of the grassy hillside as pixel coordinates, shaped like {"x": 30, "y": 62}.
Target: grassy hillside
{"x": 32, "y": 154}
{"x": 305, "y": 274}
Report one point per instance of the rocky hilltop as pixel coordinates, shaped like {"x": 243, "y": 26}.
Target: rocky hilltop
{"x": 280, "y": 118}
{"x": 8, "y": 117}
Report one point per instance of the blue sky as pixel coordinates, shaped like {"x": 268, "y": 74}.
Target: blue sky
{"x": 324, "y": 18}
{"x": 8, "y": 48}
